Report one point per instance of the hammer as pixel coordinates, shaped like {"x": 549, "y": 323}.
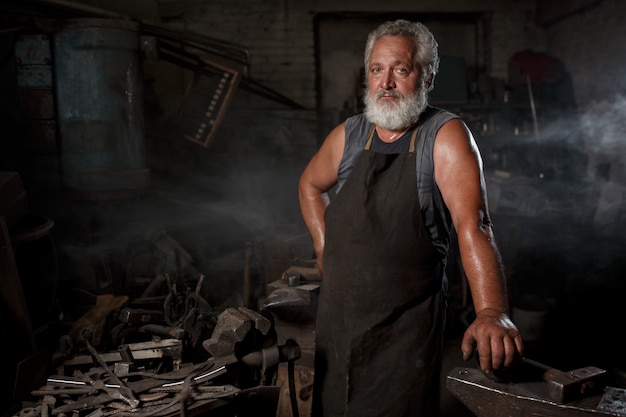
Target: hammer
{"x": 562, "y": 386}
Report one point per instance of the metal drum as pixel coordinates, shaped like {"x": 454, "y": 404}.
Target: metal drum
{"x": 99, "y": 93}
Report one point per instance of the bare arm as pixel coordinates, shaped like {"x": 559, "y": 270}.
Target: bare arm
{"x": 319, "y": 176}
{"x": 458, "y": 173}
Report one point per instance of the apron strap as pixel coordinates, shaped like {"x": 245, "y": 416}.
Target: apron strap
{"x": 368, "y": 144}
{"x": 370, "y": 137}
{"x": 412, "y": 145}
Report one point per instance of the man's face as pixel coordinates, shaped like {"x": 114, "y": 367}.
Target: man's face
{"x": 392, "y": 69}
{"x": 394, "y": 98}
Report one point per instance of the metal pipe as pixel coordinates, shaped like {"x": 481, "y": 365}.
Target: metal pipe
{"x": 532, "y": 107}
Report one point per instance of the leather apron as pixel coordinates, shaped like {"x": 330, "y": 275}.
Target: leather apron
{"x": 379, "y": 328}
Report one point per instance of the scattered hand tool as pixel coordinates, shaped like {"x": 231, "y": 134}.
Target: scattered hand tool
{"x": 123, "y": 392}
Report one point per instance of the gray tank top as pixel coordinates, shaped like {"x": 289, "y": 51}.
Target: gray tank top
{"x": 435, "y": 213}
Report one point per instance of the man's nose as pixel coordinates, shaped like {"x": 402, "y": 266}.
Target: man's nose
{"x": 388, "y": 81}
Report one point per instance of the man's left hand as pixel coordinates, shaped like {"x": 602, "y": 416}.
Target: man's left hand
{"x": 495, "y": 338}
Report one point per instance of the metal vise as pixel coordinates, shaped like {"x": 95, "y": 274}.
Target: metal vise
{"x": 243, "y": 335}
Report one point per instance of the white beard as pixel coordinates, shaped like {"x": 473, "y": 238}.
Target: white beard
{"x": 395, "y": 116}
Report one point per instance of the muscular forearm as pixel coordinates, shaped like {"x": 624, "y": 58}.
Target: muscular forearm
{"x": 483, "y": 267}
{"x": 312, "y": 206}
{"x": 492, "y": 333}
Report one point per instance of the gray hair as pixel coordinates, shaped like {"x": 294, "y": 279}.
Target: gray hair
{"x": 426, "y": 55}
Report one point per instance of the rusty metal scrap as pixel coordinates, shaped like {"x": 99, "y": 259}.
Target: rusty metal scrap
{"x": 164, "y": 377}
{"x": 142, "y": 393}
{"x": 144, "y": 378}
{"x": 149, "y": 350}
{"x": 121, "y": 392}
{"x": 119, "y": 383}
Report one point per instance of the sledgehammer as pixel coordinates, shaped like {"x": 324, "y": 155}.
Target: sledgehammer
{"x": 562, "y": 386}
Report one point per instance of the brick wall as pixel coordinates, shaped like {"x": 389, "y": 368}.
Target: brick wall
{"x": 279, "y": 34}
{"x": 512, "y": 30}
{"x": 279, "y": 40}
{"x": 281, "y": 43}
{"x": 590, "y": 42}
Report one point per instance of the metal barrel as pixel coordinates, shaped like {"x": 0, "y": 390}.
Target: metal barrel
{"x": 99, "y": 94}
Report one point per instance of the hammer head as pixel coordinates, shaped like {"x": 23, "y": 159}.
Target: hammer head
{"x": 573, "y": 385}
{"x": 561, "y": 386}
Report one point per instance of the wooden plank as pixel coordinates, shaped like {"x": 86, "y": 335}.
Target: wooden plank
{"x": 303, "y": 379}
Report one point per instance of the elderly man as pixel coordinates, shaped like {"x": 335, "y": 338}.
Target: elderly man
{"x": 405, "y": 173}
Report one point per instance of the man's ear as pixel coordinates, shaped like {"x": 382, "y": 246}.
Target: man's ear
{"x": 428, "y": 82}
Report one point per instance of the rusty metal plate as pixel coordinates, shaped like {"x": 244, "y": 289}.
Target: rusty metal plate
{"x": 34, "y": 76}
{"x": 33, "y": 49}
